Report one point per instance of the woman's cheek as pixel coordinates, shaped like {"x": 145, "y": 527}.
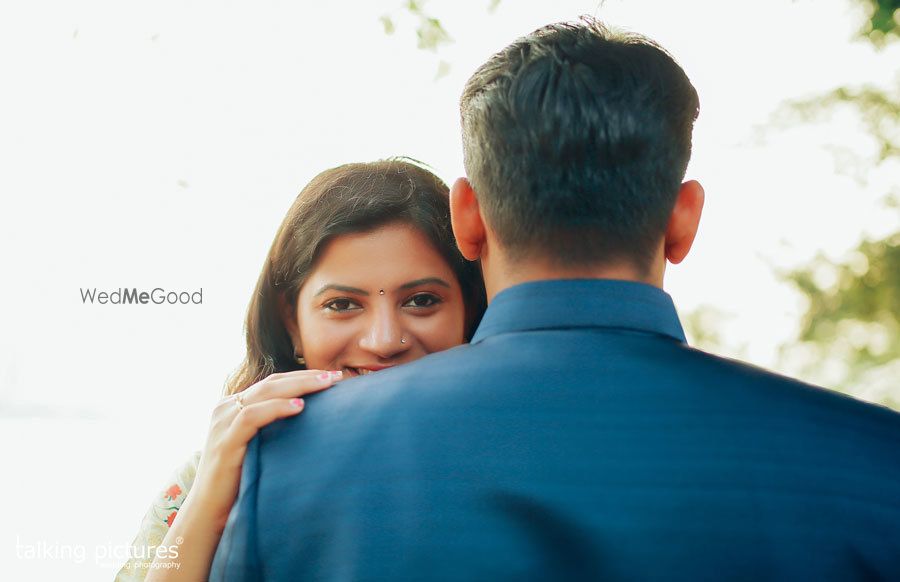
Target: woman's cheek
{"x": 324, "y": 343}
{"x": 444, "y": 331}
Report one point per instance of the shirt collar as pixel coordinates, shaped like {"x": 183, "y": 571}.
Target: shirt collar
{"x": 581, "y": 303}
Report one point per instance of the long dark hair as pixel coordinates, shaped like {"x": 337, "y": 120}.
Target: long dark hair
{"x": 348, "y": 199}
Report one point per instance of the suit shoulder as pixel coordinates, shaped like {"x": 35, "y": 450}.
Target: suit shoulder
{"x": 771, "y": 388}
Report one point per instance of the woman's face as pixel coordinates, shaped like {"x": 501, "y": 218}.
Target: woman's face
{"x": 377, "y": 299}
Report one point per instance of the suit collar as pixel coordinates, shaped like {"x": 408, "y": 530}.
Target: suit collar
{"x": 581, "y": 303}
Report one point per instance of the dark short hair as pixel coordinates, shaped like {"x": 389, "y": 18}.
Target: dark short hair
{"x": 576, "y": 140}
{"x": 352, "y": 198}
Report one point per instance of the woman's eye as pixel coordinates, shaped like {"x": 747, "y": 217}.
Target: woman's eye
{"x": 422, "y": 300}
{"x": 341, "y": 305}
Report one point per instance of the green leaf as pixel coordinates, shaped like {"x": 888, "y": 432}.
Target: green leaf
{"x": 388, "y": 24}
{"x": 883, "y": 22}
{"x": 431, "y": 34}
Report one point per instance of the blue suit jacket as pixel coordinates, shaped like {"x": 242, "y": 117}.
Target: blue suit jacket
{"x": 576, "y": 437}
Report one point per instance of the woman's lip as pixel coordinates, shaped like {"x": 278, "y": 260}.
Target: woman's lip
{"x": 354, "y": 370}
{"x": 373, "y": 368}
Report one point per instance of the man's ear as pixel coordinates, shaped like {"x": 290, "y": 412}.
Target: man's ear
{"x": 466, "y": 219}
{"x": 684, "y": 221}
{"x": 288, "y": 314}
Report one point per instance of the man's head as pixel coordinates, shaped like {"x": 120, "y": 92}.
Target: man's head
{"x": 576, "y": 140}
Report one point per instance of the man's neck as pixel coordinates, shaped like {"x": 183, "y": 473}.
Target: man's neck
{"x": 508, "y": 275}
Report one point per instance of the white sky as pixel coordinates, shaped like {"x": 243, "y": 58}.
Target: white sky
{"x": 159, "y": 145}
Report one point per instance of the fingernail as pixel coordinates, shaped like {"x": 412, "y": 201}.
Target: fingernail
{"x": 337, "y": 375}
{"x": 297, "y": 402}
{"x": 324, "y": 376}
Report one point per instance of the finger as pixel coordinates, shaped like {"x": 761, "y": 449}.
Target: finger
{"x": 290, "y": 385}
{"x": 252, "y": 418}
{"x": 224, "y": 412}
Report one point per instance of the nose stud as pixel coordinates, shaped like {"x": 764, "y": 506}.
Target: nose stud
{"x": 402, "y": 340}
{"x": 381, "y": 291}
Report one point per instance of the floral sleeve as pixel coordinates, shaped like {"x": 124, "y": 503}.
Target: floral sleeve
{"x": 157, "y": 521}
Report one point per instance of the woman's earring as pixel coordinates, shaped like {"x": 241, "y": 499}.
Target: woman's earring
{"x": 299, "y": 359}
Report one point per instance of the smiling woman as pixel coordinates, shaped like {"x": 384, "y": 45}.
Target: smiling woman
{"x": 360, "y": 229}
{"x": 377, "y": 299}
{"x": 364, "y": 274}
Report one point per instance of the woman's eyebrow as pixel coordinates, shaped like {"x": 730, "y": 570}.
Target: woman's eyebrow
{"x": 425, "y": 281}
{"x": 343, "y": 288}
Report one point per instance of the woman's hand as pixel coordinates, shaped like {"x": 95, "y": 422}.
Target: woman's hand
{"x": 200, "y": 522}
{"x": 235, "y": 421}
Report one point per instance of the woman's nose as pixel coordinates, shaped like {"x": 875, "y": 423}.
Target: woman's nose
{"x": 384, "y": 337}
